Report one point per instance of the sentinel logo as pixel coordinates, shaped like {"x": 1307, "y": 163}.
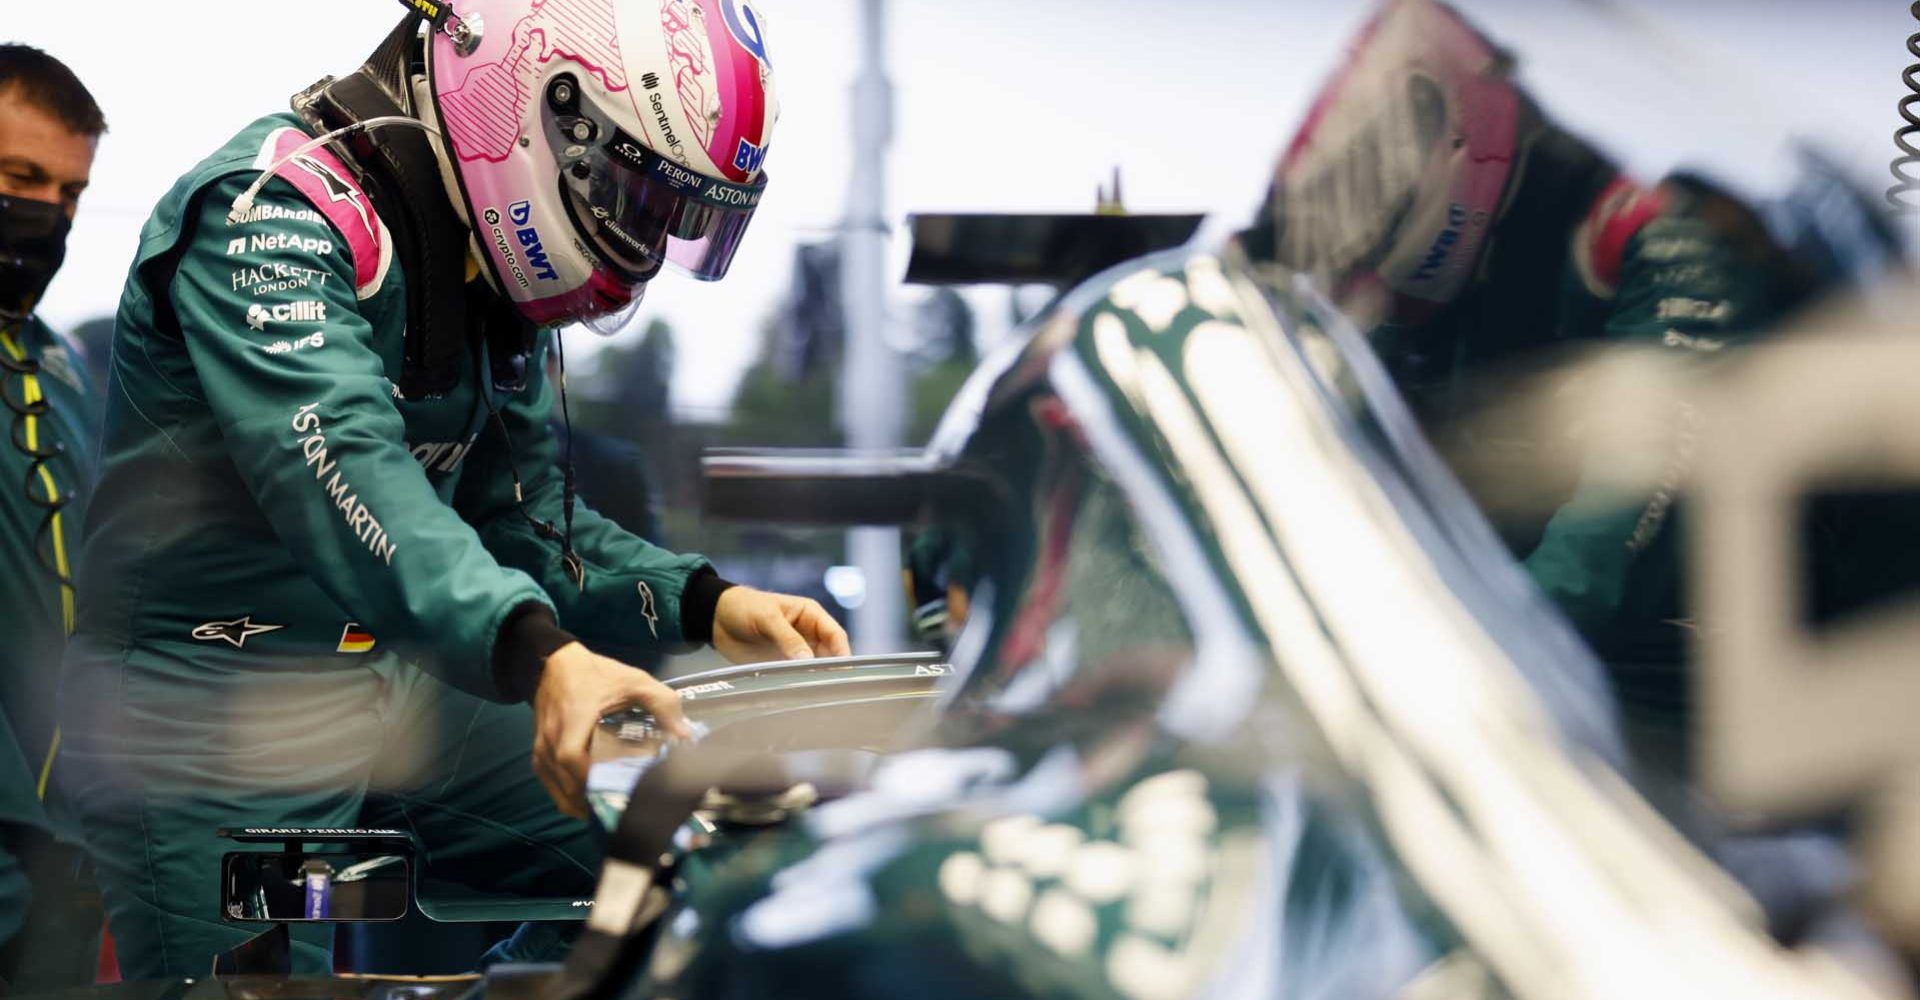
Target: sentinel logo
{"x": 522, "y": 213}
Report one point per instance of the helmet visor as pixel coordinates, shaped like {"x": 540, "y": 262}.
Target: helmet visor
{"x": 641, "y": 210}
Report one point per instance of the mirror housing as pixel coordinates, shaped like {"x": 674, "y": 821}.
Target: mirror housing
{"x": 295, "y": 887}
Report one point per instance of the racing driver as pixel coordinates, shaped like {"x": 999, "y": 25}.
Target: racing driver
{"x": 1469, "y": 234}
{"x": 334, "y": 551}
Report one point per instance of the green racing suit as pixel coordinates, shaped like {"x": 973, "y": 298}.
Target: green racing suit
{"x": 47, "y": 919}
{"x": 298, "y": 587}
{"x": 1681, "y": 268}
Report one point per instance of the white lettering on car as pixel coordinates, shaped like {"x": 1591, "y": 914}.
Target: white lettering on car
{"x": 694, "y": 693}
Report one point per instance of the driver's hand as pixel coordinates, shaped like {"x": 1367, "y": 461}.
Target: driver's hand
{"x": 577, "y": 688}
{"x": 751, "y": 626}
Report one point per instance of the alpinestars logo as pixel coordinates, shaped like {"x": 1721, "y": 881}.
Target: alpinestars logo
{"x": 235, "y": 633}
{"x": 647, "y": 609}
{"x": 309, "y": 311}
{"x": 338, "y": 188}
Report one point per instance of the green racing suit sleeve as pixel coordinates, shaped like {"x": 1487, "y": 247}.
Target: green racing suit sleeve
{"x": 1696, "y": 277}
{"x": 633, "y": 594}
{"x": 300, "y": 393}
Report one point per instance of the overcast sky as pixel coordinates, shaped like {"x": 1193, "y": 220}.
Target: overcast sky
{"x": 1016, "y": 105}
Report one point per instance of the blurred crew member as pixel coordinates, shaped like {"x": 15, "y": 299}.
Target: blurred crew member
{"x": 49, "y": 126}
{"x": 334, "y": 551}
{"x": 1440, "y": 207}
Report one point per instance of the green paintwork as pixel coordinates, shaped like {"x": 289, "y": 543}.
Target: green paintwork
{"x": 1059, "y": 735}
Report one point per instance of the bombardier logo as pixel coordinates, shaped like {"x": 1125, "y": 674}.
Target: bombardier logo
{"x": 522, "y": 215}
{"x": 278, "y": 213}
{"x": 258, "y": 316}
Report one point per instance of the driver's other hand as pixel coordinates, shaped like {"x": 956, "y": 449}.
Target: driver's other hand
{"x": 577, "y": 688}
{"x": 752, "y": 626}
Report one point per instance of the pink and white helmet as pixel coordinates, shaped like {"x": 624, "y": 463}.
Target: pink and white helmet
{"x": 596, "y": 140}
{"x": 1389, "y": 190}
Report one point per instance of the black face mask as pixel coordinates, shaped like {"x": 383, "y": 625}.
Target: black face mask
{"x": 33, "y": 242}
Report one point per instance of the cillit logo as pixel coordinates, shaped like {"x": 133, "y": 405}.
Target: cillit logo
{"x": 258, "y": 316}
{"x": 522, "y": 213}
{"x": 749, "y": 157}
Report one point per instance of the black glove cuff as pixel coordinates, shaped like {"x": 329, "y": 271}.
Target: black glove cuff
{"x": 528, "y": 636}
{"x": 698, "y": 603}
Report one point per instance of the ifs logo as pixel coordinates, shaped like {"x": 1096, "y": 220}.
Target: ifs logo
{"x": 522, "y": 214}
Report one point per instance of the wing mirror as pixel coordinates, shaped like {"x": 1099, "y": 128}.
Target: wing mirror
{"x": 315, "y": 888}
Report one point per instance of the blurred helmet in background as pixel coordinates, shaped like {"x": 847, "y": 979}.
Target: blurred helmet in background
{"x": 1389, "y": 191}
{"x": 596, "y": 141}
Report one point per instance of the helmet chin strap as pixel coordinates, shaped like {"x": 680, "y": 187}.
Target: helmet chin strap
{"x": 420, "y": 88}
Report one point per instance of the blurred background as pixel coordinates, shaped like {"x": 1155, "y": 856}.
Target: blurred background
{"x": 993, "y": 105}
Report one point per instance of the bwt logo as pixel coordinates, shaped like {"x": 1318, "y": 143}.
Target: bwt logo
{"x": 1443, "y": 244}
{"x": 749, "y": 157}
{"x": 522, "y": 213}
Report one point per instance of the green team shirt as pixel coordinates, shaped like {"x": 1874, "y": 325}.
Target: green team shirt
{"x": 266, "y": 494}
{"x": 53, "y": 410}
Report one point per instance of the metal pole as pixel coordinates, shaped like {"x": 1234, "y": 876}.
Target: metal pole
{"x": 873, "y": 385}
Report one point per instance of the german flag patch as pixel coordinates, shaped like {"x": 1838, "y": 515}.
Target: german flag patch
{"x": 354, "y": 639}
